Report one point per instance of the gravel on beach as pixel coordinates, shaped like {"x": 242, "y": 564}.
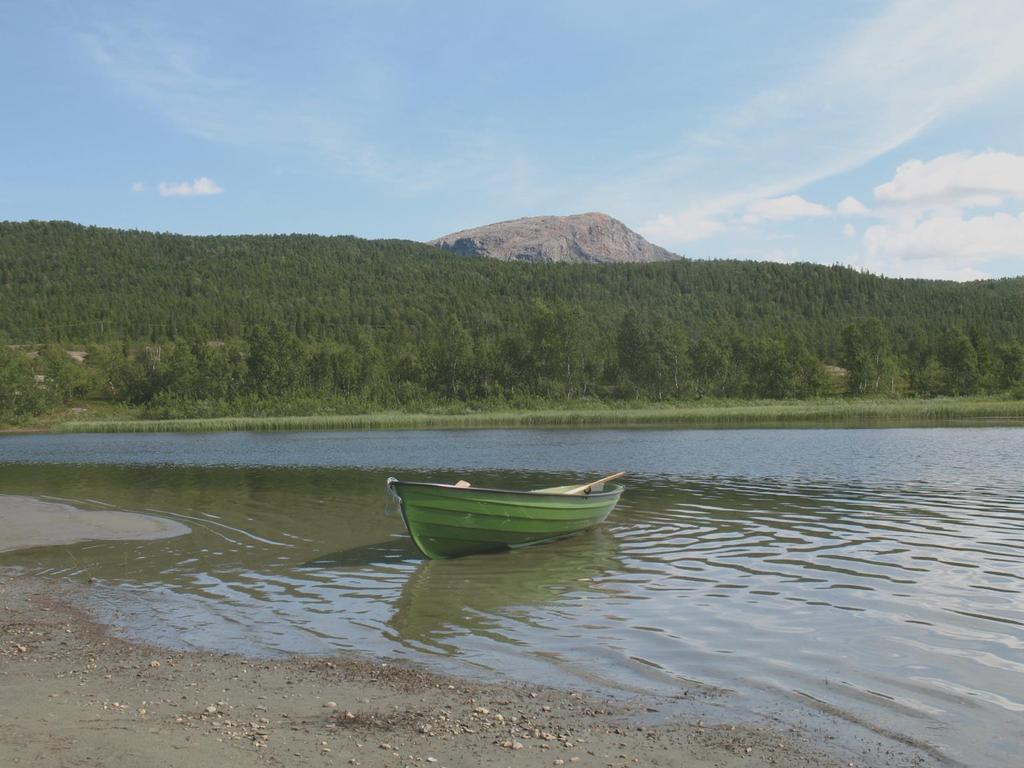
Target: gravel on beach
{"x": 73, "y": 694}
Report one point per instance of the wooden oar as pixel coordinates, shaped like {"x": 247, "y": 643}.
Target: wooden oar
{"x": 581, "y": 489}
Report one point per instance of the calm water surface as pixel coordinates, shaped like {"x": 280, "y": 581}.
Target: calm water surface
{"x": 873, "y": 572}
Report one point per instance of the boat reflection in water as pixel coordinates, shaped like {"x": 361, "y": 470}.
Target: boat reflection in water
{"x": 471, "y": 596}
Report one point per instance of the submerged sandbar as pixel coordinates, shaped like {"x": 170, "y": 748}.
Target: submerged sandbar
{"x": 28, "y": 522}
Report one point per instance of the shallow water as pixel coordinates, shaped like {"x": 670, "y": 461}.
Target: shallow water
{"x": 873, "y": 572}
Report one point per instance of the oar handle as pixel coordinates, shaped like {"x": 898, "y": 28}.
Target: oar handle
{"x": 584, "y": 488}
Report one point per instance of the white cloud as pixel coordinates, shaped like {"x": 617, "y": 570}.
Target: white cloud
{"x": 961, "y": 180}
{"x": 943, "y": 245}
{"x": 863, "y": 95}
{"x": 924, "y": 230}
{"x": 977, "y": 238}
{"x": 783, "y": 209}
{"x": 204, "y": 185}
{"x": 849, "y": 230}
{"x": 851, "y": 206}
{"x": 138, "y": 186}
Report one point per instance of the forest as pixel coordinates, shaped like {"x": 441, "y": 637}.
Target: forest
{"x": 254, "y": 324}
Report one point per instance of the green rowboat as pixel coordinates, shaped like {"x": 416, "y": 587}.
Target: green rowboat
{"x": 454, "y": 520}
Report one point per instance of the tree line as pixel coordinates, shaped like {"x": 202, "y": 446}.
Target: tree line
{"x": 185, "y": 325}
{"x": 558, "y": 358}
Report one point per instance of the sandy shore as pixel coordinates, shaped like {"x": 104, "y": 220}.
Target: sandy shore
{"x": 72, "y": 694}
{"x": 26, "y": 522}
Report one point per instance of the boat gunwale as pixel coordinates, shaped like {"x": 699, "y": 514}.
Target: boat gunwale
{"x": 615, "y": 489}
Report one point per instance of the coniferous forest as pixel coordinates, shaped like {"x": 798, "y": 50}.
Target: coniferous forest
{"x": 187, "y": 325}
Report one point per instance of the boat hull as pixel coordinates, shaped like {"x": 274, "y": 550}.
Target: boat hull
{"x": 445, "y": 521}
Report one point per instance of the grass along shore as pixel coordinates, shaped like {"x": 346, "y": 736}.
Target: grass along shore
{"x": 837, "y": 412}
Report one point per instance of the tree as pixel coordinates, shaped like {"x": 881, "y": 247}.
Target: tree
{"x": 868, "y": 358}
{"x": 1011, "y": 365}
{"x": 65, "y": 379}
{"x": 275, "y": 361}
{"x": 961, "y": 362}
{"x": 20, "y": 393}
{"x": 710, "y": 364}
{"x": 451, "y": 361}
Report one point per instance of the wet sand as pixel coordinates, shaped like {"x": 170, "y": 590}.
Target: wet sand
{"x": 74, "y": 694}
{"x": 27, "y": 522}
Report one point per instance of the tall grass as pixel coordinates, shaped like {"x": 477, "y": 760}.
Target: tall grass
{"x": 824, "y": 412}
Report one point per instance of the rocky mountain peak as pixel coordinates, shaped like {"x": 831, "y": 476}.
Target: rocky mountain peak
{"x": 583, "y": 238}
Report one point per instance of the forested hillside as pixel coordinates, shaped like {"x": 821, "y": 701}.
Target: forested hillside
{"x": 394, "y": 322}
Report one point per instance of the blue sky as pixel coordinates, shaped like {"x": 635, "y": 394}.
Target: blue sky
{"x": 888, "y": 136}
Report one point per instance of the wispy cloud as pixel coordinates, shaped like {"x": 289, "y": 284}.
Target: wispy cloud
{"x": 337, "y": 128}
{"x": 784, "y": 208}
{"x": 889, "y": 79}
{"x": 204, "y": 185}
{"x": 138, "y": 186}
{"x": 696, "y": 223}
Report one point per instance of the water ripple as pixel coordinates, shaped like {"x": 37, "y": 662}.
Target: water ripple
{"x": 875, "y": 573}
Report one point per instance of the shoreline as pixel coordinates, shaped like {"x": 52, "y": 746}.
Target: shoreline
{"x": 836, "y": 412}
{"x": 77, "y": 693}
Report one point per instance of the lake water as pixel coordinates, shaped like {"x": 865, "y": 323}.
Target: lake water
{"x": 877, "y": 574}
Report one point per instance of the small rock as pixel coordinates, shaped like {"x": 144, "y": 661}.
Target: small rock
{"x": 331, "y": 705}
{"x": 154, "y": 664}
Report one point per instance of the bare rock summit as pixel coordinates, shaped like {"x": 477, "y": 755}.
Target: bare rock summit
{"x": 583, "y": 238}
